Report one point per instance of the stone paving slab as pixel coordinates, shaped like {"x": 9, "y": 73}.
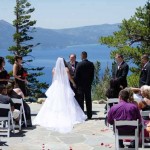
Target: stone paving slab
{"x": 91, "y": 135}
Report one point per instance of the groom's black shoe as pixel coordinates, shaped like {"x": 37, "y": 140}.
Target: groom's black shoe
{"x": 89, "y": 117}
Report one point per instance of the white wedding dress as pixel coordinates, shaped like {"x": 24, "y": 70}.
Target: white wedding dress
{"x": 60, "y": 111}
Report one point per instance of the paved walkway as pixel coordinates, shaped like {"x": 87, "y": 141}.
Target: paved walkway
{"x": 91, "y": 135}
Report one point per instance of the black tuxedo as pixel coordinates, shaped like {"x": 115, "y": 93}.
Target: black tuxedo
{"x": 120, "y": 73}
{"x": 72, "y": 68}
{"x": 84, "y": 76}
{"x": 145, "y": 75}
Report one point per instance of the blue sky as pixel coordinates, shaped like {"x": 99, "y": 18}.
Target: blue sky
{"x": 57, "y": 14}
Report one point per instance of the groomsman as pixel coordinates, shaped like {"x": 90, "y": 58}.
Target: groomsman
{"x": 120, "y": 71}
{"x": 145, "y": 72}
{"x": 84, "y": 76}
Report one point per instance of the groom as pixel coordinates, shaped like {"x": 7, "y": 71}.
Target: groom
{"x": 84, "y": 76}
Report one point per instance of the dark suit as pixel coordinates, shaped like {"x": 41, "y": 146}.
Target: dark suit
{"x": 72, "y": 68}
{"x": 145, "y": 75}
{"x": 120, "y": 73}
{"x": 84, "y": 76}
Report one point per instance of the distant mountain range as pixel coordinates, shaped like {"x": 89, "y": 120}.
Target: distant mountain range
{"x": 58, "y": 38}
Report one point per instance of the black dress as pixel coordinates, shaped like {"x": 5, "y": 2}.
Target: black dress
{"x": 21, "y": 84}
{"x": 27, "y": 110}
{"x": 4, "y": 75}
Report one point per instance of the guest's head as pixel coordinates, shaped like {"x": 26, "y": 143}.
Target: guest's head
{"x": 144, "y": 59}
{"x": 2, "y": 62}
{"x": 124, "y": 95}
{"x": 145, "y": 91}
{"x": 72, "y": 58}
{"x": 119, "y": 58}
{"x": 10, "y": 87}
{"x": 18, "y": 59}
{"x": 114, "y": 84}
{"x": 84, "y": 55}
{"x": 3, "y": 89}
{"x": 131, "y": 99}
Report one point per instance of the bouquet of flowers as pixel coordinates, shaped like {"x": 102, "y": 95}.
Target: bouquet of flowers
{"x": 7, "y": 76}
{"x": 24, "y": 74}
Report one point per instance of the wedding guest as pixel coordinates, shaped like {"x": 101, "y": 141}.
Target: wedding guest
{"x": 124, "y": 111}
{"x": 131, "y": 97}
{"x": 120, "y": 71}
{"x": 20, "y": 75}
{"x": 84, "y": 76}
{"x": 4, "y": 76}
{"x": 137, "y": 97}
{"x": 15, "y": 92}
{"x": 145, "y": 72}
{"x": 112, "y": 91}
{"x": 6, "y": 100}
{"x": 144, "y": 105}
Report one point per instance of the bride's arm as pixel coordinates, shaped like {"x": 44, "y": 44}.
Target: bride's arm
{"x": 70, "y": 78}
{"x": 135, "y": 90}
{"x": 53, "y": 71}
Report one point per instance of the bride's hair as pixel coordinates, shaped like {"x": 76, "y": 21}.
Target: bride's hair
{"x": 65, "y": 63}
{"x": 60, "y": 73}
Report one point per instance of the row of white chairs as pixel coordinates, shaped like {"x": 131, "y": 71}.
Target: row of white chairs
{"x": 7, "y": 123}
{"x": 135, "y": 137}
{"x": 130, "y": 123}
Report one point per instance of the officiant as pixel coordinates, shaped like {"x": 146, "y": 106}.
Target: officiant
{"x": 72, "y": 68}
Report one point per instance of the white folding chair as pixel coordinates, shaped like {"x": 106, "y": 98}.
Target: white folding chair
{"x": 144, "y": 114}
{"x": 20, "y": 101}
{"x": 6, "y": 121}
{"x": 123, "y": 137}
{"x": 111, "y": 101}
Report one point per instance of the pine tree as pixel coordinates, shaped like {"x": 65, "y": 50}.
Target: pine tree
{"x": 23, "y": 45}
{"x": 100, "y": 84}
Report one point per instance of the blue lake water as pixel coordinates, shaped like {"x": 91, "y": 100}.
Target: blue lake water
{"x": 47, "y": 57}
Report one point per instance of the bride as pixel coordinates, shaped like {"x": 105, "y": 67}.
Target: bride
{"x": 60, "y": 111}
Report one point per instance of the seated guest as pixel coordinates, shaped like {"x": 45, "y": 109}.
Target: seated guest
{"x": 15, "y": 92}
{"x": 131, "y": 98}
{"x": 6, "y": 100}
{"x": 136, "y": 94}
{"x": 4, "y": 76}
{"x": 124, "y": 111}
{"x": 145, "y": 92}
{"x": 112, "y": 91}
{"x": 144, "y": 105}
